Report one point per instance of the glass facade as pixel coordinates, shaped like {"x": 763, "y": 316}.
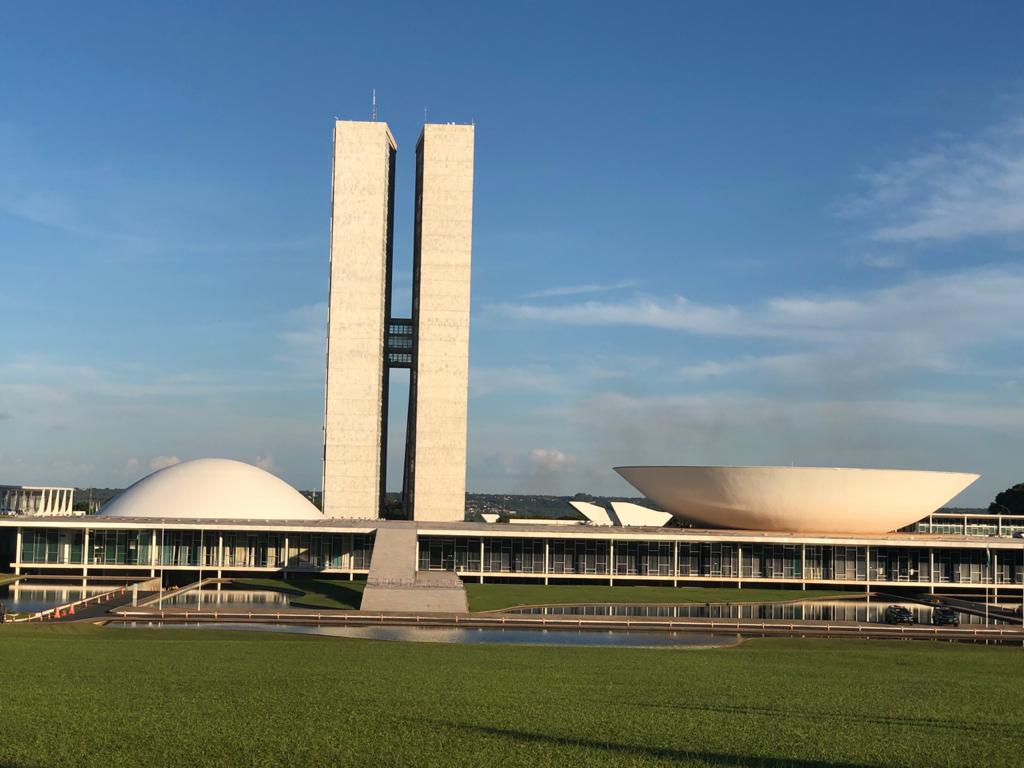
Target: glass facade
{"x": 51, "y": 546}
{"x": 530, "y": 556}
{"x": 120, "y": 547}
{"x": 720, "y": 560}
{"x": 951, "y": 524}
{"x": 149, "y": 548}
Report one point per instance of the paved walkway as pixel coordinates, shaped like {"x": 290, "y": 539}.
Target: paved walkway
{"x": 393, "y": 583}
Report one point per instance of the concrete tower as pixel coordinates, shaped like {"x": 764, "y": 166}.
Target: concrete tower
{"x": 435, "y": 471}
{"x": 355, "y": 413}
{"x": 365, "y": 342}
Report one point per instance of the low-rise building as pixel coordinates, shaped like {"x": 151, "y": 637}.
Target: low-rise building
{"x": 36, "y": 500}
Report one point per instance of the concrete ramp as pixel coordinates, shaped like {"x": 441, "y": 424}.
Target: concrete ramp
{"x": 394, "y": 585}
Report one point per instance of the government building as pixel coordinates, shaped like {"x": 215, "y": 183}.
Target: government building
{"x": 863, "y": 529}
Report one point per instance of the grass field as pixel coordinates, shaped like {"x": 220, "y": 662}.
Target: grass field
{"x": 86, "y": 696}
{"x": 493, "y": 597}
{"x": 313, "y": 593}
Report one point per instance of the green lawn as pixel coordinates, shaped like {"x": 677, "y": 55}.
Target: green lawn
{"x": 88, "y": 696}
{"x": 493, "y": 597}
{"x": 314, "y": 593}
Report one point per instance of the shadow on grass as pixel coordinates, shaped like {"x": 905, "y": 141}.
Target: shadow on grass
{"x": 340, "y": 591}
{"x": 660, "y": 753}
{"x": 311, "y": 593}
{"x": 938, "y": 723}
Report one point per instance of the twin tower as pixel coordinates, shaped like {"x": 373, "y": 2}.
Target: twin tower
{"x": 364, "y": 341}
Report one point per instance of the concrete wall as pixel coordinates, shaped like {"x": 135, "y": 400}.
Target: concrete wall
{"x": 361, "y": 244}
{"x": 436, "y": 461}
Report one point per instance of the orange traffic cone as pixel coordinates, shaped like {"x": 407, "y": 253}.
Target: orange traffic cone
{"x": 71, "y": 610}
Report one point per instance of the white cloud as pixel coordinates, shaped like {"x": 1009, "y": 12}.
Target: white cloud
{"x": 572, "y": 290}
{"x": 267, "y": 463}
{"x": 303, "y": 339}
{"x": 783, "y": 365}
{"x": 110, "y": 202}
{"x": 960, "y": 188}
{"x": 551, "y": 459}
{"x": 918, "y": 430}
{"x": 924, "y": 322}
{"x": 485, "y": 381}
{"x": 678, "y": 314}
{"x": 131, "y": 468}
{"x": 162, "y": 462}
{"x": 884, "y": 260}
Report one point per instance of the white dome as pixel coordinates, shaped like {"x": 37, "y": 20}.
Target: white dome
{"x": 797, "y": 499}
{"x": 216, "y": 489}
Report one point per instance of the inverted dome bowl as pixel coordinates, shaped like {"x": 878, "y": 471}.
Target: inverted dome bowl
{"x": 797, "y": 499}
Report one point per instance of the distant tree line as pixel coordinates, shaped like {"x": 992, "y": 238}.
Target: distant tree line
{"x": 1009, "y": 502}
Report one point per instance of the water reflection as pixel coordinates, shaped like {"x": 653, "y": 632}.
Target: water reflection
{"x": 473, "y": 636}
{"x": 808, "y": 610}
{"x": 31, "y": 598}
{"x": 241, "y": 599}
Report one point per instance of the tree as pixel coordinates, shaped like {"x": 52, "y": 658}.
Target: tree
{"x": 1009, "y": 502}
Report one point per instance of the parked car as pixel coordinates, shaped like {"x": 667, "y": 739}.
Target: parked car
{"x": 897, "y": 614}
{"x": 944, "y": 616}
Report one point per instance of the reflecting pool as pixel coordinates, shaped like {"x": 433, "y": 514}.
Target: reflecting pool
{"x": 870, "y": 611}
{"x": 23, "y": 597}
{"x": 228, "y": 598}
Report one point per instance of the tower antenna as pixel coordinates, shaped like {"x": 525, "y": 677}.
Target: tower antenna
{"x": 373, "y": 106}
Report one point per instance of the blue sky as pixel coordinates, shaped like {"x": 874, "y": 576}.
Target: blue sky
{"x": 704, "y": 233}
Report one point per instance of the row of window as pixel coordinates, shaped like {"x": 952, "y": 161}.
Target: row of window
{"x": 190, "y": 548}
{"x": 953, "y": 528}
{"x": 719, "y": 560}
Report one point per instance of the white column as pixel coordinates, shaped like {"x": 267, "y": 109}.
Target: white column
{"x": 803, "y": 566}
{"x": 675, "y": 563}
{"x": 481, "y": 560}
{"x": 85, "y": 553}
{"x": 547, "y": 553}
{"x": 867, "y": 568}
{"x": 739, "y": 566}
{"x": 17, "y": 552}
{"x": 154, "y": 555}
{"x": 220, "y": 554}
{"x": 284, "y": 561}
{"x": 611, "y": 562}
